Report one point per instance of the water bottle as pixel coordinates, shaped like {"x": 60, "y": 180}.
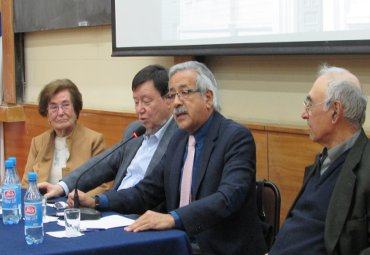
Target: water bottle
{"x": 19, "y": 189}
{"x": 10, "y": 200}
{"x": 33, "y": 212}
{"x": 1, "y": 194}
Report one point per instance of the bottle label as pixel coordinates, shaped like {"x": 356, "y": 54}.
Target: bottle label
{"x": 9, "y": 198}
{"x": 33, "y": 214}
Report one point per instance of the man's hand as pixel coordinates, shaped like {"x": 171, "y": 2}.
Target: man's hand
{"x": 83, "y": 199}
{"x": 50, "y": 190}
{"x": 152, "y": 220}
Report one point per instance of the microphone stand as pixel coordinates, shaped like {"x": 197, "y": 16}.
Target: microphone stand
{"x": 91, "y": 213}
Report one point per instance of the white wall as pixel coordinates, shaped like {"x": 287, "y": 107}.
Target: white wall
{"x": 267, "y": 89}
{"x": 271, "y": 89}
{"x": 84, "y": 56}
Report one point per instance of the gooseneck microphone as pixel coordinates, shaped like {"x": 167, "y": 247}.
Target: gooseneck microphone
{"x": 90, "y": 213}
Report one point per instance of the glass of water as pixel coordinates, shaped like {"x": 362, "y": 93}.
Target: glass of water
{"x": 72, "y": 221}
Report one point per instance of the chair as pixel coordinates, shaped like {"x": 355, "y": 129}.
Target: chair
{"x": 268, "y": 205}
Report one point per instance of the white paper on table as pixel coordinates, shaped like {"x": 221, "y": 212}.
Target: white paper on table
{"x": 112, "y": 221}
{"x": 48, "y": 218}
{"x": 61, "y": 234}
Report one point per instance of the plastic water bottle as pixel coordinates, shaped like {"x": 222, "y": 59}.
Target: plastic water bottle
{"x": 10, "y": 200}
{"x": 33, "y": 212}
{"x": 19, "y": 189}
{"x": 1, "y": 194}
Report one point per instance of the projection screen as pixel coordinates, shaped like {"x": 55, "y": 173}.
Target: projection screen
{"x": 239, "y": 27}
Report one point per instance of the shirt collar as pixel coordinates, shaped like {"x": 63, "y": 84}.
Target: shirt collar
{"x": 160, "y": 132}
{"x": 336, "y": 151}
{"x": 202, "y": 131}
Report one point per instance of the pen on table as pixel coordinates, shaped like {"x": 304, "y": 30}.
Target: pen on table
{"x": 92, "y": 229}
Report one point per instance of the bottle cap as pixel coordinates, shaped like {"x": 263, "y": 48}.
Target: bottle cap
{"x": 14, "y": 159}
{"x": 32, "y": 176}
{"x": 9, "y": 163}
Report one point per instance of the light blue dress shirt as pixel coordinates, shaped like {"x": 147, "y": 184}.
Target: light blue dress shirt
{"x": 139, "y": 164}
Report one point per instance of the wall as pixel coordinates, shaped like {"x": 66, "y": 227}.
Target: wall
{"x": 271, "y": 89}
{"x": 84, "y": 56}
{"x": 110, "y": 124}
{"x": 268, "y": 89}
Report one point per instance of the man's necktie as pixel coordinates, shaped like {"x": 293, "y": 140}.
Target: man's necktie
{"x": 187, "y": 173}
{"x": 323, "y": 156}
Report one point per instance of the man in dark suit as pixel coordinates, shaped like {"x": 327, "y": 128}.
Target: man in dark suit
{"x": 215, "y": 202}
{"x": 331, "y": 214}
{"x": 130, "y": 163}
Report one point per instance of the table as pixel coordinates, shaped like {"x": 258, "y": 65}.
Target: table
{"x": 111, "y": 241}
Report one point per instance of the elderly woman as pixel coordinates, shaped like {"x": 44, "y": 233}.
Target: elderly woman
{"x": 64, "y": 147}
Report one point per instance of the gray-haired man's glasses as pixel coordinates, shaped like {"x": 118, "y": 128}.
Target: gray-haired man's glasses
{"x": 182, "y": 94}
{"x": 308, "y": 105}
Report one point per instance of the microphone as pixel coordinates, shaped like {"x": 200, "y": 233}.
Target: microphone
{"x": 90, "y": 213}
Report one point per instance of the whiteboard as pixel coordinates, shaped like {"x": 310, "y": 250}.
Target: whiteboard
{"x": 211, "y": 27}
{"x": 40, "y": 15}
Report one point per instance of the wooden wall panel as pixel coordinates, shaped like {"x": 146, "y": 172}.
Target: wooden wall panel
{"x": 110, "y": 124}
{"x": 15, "y": 144}
{"x": 288, "y": 154}
{"x": 8, "y": 53}
{"x": 260, "y": 138}
{"x": 18, "y": 135}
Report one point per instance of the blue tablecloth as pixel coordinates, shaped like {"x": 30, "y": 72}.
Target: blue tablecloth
{"x": 111, "y": 241}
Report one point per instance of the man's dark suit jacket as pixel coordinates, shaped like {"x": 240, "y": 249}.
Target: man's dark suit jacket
{"x": 223, "y": 216}
{"x": 347, "y": 224}
{"x": 114, "y": 167}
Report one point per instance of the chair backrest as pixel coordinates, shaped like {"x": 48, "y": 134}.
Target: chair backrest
{"x": 268, "y": 204}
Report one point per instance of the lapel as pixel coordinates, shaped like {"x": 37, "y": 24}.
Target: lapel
{"x": 162, "y": 146}
{"x": 208, "y": 147}
{"x": 174, "y": 165}
{"x": 48, "y": 147}
{"x": 343, "y": 192}
{"x": 129, "y": 153}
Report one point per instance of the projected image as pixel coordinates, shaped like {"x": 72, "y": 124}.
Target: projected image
{"x": 159, "y": 23}
{"x": 250, "y": 20}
